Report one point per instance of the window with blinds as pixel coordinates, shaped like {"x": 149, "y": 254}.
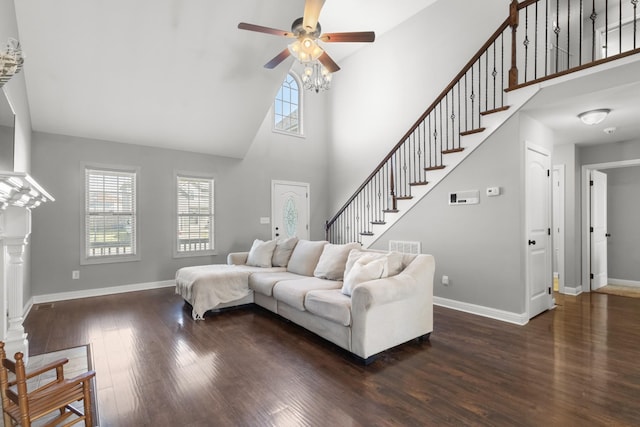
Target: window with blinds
{"x": 195, "y": 215}
{"x": 110, "y": 214}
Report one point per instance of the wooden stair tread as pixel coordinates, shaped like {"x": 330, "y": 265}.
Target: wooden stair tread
{"x": 366, "y": 233}
{"x": 495, "y": 110}
{"x": 472, "y": 131}
{"x": 453, "y": 150}
{"x": 433, "y": 168}
{"x": 378, "y": 222}
{"x": 419, "y": 183}
{"x": 404, "y": 197}
{"x": 390, "y": 211}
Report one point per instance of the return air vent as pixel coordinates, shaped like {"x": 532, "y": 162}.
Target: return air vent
{"x": 405, "y": 247}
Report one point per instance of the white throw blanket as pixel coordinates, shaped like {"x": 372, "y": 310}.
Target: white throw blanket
{"x": 207, "y": 286}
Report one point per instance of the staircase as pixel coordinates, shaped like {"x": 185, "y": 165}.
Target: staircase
{"x": 538, "y": 41}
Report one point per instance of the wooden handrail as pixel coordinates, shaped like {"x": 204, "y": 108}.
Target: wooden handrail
{"x": 526, "y": 50}
{"x": 440, "y": 97}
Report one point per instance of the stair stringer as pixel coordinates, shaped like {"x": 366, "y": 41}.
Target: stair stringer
{"x": 515, "y": 99}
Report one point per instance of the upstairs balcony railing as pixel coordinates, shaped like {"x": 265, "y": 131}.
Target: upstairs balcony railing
{"x": 539, "y": 40}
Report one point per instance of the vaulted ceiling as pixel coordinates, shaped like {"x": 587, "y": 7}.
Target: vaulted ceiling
{"x": 170, "y": 73}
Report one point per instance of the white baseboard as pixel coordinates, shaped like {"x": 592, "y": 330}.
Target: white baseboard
{"x": 622, "y": 282}
{"x": 570, "y": 290}
{"x": 493, "y": 313}
{"x": 87, "y": 293}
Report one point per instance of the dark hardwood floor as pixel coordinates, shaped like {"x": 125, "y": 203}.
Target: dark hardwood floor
{"x": 577, "y": 365}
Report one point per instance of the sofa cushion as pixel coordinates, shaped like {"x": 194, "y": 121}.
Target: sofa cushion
{"x": 283, "y": 251}
{"x": 261, "y": 253}
{"x": 305, "y": 257}
{"x": 263, "y": 282}
{"x": 394, "y": 261}
{"x": 365, "y": 268}
{"x": 333, "y": 261}
{"x": 330, "y": 304}
{"x": 292, "y": 292}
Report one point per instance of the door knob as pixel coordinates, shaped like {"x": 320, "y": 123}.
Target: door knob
{"x": 607, "y": 235}
{"x": 532, "y": 242}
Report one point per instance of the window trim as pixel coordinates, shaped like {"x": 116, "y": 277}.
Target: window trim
{"x": 212, "y": 239}
{"x": 300, "y": 109}
{"x": 86, "y": 260}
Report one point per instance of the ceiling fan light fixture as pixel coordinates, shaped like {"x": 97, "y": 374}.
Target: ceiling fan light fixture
{"x": 593, "y": 117}
{"x": 305, "y": 50}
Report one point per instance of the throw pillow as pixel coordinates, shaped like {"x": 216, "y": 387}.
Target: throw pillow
{"x": 364, "y": 269}
{"x": 394, "y": 261}
{"x": 305, "y": 257}
{"x": 282, "y": 253}
{"x": 333, "y": 261}
{"x": 261, "y": 253}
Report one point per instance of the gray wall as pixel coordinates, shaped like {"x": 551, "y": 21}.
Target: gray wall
{"x": 6, "y": 146}
{"x": 242, "y": 196}
{"x": 574, "y": 157}
{"x": 383, "y": 88}
{"x": 623, "y": 187}
{"x": 477, "y": 246}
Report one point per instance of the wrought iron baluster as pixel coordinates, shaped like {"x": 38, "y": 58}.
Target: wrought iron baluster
{"x": 568, "y": 34}
{"x": 459, "y": 119}
{"x": 535, "y": 45}
{"x": 606, "y": 28}
{"x": 526, "y": 42}
{"x": 502, "y": 70}
{"x": 593, "y": 18}
{"x": 635, "y": 21}
{"x": 580, "y": 36}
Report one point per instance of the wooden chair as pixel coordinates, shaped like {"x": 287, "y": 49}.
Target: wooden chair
{"x": 21, "y": 406}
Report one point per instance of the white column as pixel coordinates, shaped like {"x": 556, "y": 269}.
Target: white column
{"x": 14, "y": 233}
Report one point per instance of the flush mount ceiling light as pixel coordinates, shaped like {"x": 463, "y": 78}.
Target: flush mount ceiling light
{"x": 593, "y": 117}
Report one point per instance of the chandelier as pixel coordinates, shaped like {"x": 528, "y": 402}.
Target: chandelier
{"x": 11, "y": 60}
{"x": 316, "y": 77}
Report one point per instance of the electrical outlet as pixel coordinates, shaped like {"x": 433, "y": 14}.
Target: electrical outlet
{"x": 445, "y": 280}
{"x": 75, "y": 274}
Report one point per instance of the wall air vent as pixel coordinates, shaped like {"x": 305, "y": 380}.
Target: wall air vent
{"x": 405, "y": 247}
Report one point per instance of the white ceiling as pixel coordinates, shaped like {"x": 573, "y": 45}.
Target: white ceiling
{"x": 614, "y": 86}
{"x": 170, "y": 73}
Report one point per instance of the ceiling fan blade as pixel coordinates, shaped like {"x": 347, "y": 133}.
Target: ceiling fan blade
{"x": 266, "y": 30}
{"x": 359, "y": 37}
{"x": 277, "y": 59}
{"x": 312, "y": 10}
{"x": 328, "y": 63}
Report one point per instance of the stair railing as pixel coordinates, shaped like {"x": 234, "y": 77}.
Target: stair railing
{"x": 539, "y": 40}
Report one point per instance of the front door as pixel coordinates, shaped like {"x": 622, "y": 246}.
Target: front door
{"x": 290, "y": 209}
{"x": 598, "y": 230}
{"x": 538, "y": 233}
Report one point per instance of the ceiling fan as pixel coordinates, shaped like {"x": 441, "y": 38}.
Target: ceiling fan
{"x": 307, "y": 32}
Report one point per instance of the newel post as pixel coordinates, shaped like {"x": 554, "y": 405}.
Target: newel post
{"x": 513, "y": 23}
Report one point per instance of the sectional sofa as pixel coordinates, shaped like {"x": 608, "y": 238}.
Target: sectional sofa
{"x": 364, "y": 301}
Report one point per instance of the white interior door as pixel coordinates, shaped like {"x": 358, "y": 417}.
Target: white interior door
{"x": 598, "y": 229}
{"x": 290, "y": 209}
{"x": 538, "y": 223}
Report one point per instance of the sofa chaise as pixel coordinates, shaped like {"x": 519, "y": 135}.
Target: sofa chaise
{"x": 364, "y": 301}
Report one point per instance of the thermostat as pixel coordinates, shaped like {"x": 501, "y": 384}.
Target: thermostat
{"x": 493, "y": 191}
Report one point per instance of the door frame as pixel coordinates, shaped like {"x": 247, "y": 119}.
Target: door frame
{"x": 586, "y": 213}
{"x": 275, "y": 182}
{"x": 562, "y": 235}
{"x": 535, "y": 147}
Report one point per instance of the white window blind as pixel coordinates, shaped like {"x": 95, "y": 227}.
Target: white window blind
{"x": 195, "y": 214}
{"x": 110, "y": 213}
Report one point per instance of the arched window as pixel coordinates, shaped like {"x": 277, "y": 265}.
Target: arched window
{"x": 287, "y": 107}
